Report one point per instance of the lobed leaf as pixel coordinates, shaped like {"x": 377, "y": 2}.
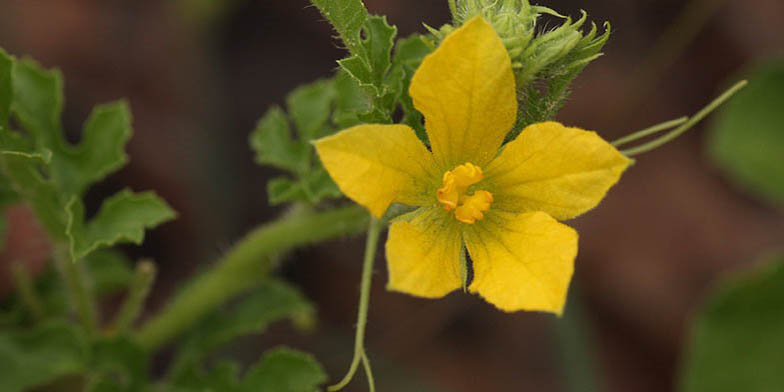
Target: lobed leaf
{"x": 347, "y": 17}
{"x": 122, "y": 218}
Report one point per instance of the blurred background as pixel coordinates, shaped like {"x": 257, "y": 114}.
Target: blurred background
{"x": 199, "y": 74}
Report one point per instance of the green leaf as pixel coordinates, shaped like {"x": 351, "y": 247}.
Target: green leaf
{"x": 116, "y": 364}
{"x": 223, "y": 377}
{"x": 274, "y": 144}
{"x": 738, "y": 342}
{"x": 409, "y": 54}
{"x": 309, "y": 107}
{"x": 110, "y": 271}
{"x": 312, "y": 188}
{"x": 122, "y": 218}
{"x": 747, "y": 141}
{"x": 347, "y": 17}
{"x": 37, "y": 356}
{"x": 38, "y": 102}
{"x": 351, "y": 100}
{"x": 271, "y": 302}
{"x": 370, "y": 65}
{"x": 284, "y": 370}
{"x": 101, "y": 152}
{"x": 6, "y": 89}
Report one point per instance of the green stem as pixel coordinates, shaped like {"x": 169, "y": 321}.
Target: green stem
{"x": 653, "y": 144}
{"x": 244, "y": 266}
{"x": 650, "y": 131}
{"x": 364, "y": 300}
{"x": 137, "y": 294}
{"x": 80, "y": 294}
{"x": 368, "y": 372}
{"x": 27, "y": 290}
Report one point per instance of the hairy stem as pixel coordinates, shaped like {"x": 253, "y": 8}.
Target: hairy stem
{"x": 80, "y": 294}
{"x": 364, "y": 301}
{"x": 137, "y": 294}
{"x": 244, "y": 266}
{"x": 26, "y": 288}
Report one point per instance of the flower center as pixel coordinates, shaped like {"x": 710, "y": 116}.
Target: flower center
{"x": 453, "y": 194}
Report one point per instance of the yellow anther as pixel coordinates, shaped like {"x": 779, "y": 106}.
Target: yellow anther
{"x": 452, "y": 194}
{"x": 474, "y": 206}
{"x": 467, "y": 175}
{"x": 448, "y": 195}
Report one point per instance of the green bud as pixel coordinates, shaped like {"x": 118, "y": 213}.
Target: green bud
{"x": 545, "y": 61}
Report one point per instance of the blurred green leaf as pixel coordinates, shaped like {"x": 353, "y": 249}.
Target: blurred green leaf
{"x": 312, "y": 188}
{"x": 309, "y": 107}
{"x": 110, "y": 271}
{"x": 738, "y": 342}
{"x": 52, "y": 174}
{"x": 116, "y": 364}
{"x": 223, "y": 377}
{"x": 284, "y": 370}
{"x": 347, "y": 17}
{"x": 38, "y": 102}
{"x": 748, "y": 138}
{"x": 275, "y": 145}
{"x": 122, "y": 218}
{"x": 101, "y": 152}
{"x": 271, "y": 302}
{"x": 37, "y": 356}
{"x": 6, "y": 88}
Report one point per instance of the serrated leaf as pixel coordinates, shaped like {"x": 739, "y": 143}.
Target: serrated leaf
{"x": 122, "y": 218}
{"x": 284, "y": 370}
{"x": 309, "y": 107}
{"x": 351, "y": 100}
{"x": 101, "y": 152}
{"x": 370, "y": 65}
{"x": 274, "y": 144}
{"x": 271, "y": 302}
{"x": 37, "y": 356}
{"x": 738, "y": 343}
{"x": 347, "y": 17}
{"x": 747, "y": 141}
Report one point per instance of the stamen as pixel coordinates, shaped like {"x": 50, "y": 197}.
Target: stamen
{"x": 473, "y": 207}
{"x": 452, "y": 194}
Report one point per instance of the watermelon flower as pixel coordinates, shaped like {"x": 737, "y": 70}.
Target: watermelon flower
{"x": 500, "y": 203}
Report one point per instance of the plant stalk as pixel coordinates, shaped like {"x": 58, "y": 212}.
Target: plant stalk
{"x": 244, "y": 266}
{"x": 371, "y": 245}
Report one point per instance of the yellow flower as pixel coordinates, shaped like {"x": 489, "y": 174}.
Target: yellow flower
{"x": 502, "y": 206}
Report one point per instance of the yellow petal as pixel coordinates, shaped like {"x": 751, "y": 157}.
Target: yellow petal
{"x": 376, "y": 165}
{"x": 423, "y": 254}
{"x": 466, "y": 91}
{"x": 549, "y": 167}
{"x": 522, "y": 261}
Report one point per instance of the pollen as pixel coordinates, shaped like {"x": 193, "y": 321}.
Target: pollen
{"x": 453, "y": 194}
